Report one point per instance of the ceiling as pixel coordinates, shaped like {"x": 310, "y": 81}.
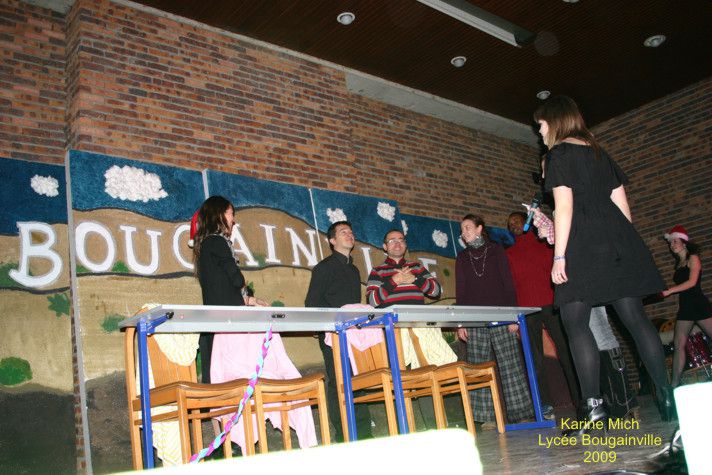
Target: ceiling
{"x": 591, "y": 50}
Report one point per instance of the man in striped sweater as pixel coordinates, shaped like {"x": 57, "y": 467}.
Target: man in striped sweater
{"x": 398, "y": 281}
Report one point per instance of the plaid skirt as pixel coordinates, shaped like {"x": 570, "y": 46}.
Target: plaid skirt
{"x": 481, "y": 344}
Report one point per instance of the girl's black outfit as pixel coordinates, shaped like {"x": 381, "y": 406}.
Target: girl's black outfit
{"x": 221, "y": 283}
{"x": 694, "y": 305}
{"x": 607, "y": 262}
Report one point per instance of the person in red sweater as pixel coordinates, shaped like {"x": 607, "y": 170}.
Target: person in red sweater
{"x": 530, "y": 263}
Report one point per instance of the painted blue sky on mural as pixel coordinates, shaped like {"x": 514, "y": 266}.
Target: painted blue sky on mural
{"x": 370, "y": 217}
{"x": 248, "y": 192}
{"x": 158, "y": 191}
{"x": 31, "y": 192}
{"x": 429, "y": 235}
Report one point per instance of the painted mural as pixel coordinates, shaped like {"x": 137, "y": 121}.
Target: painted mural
{"x": 129, "y": 224}
{"x": 36, "y": 379}
{"x": 430, "y": 241}
{"x": 34, "y": 278}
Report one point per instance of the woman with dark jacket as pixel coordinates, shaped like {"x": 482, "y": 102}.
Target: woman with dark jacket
{"x": 216, "y": 267}
{"x": 483, "y": 278}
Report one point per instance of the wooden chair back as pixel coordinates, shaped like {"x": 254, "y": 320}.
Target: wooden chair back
{"x": 422, "y": 361}
{"x": 164, "y": 371}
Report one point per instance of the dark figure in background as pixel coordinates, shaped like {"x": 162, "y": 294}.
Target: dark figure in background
{"x": 599, "y": 257}
{"x": 694, "y": 308}
{"x": 483, "y": 278}
{"x": 530, "y": 263}
{"x": 216, "y": 267}
{"x": 336, "y": 282}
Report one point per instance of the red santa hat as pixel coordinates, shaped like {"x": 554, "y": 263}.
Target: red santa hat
{"x": 193, "y": 228}
{"x": 677, "y": 232}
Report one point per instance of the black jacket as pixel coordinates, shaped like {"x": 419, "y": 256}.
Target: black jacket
{"x": 220, "y": 278}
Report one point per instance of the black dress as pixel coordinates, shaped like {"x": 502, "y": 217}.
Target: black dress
{"x": 606, "y": 259}
{"x": 693, "y": 303}
{"x": 221, "y": 283}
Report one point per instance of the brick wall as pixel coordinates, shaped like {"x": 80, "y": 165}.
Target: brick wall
{"x": 32, "y": 97}
{"x": 152, "y": 88}
{"x": 666, "y": 149}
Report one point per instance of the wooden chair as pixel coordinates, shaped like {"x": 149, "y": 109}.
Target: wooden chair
{"x": 463, "y": 377}
{"x": 374, "y": 379}
{"x": 284, "y": 395}
{"x": 176, "y": 387}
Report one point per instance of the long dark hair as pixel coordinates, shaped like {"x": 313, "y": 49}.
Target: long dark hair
{"x": 211, "y": 220}
{"x": 691, "y": 249}
{"x": 564, "y": 119}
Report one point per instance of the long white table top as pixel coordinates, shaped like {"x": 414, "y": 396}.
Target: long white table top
{"x": 217, "y": 319}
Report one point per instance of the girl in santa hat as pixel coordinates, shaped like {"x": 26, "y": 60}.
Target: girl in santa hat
{"x": 694, "y": 307}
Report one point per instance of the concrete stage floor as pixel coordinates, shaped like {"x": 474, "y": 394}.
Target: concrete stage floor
{"x": 526, "y": 451}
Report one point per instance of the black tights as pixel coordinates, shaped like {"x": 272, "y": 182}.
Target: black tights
{"x": 575, "y": 317}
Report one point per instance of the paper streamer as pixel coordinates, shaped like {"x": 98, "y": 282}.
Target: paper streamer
{"x": 220, "y": 438}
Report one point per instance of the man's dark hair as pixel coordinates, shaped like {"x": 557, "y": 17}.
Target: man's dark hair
{"x": 393, "y": 230}
{"x": 521, "y": 214}
{"x": 331, "y": 232}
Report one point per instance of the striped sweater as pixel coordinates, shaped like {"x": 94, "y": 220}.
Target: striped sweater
{"x": 381, "y": 291}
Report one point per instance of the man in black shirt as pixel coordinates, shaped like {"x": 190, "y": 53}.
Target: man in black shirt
{"x": 336, "y": 282}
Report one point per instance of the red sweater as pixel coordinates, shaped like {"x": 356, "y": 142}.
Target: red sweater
{"x": 530, "y": 261}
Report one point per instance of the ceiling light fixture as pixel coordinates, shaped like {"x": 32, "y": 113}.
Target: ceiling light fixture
{"x": 458, "y": 61}
{"x": 654, "y": 41}
{"x": 543, "y": 95}
{"x": 345, "y": 18}
{"x": 469, "y": 14}
{"x": 571, "y": 1}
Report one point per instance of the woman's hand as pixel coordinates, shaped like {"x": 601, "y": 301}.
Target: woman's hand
{"x": 665, "y": 293}
{"x": 462, "y": 334}
{"x": 558, "y": 272}
{"x": 255, "y": 302}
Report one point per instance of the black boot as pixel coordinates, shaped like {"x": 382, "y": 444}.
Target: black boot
{"x": 592, "y": 416}
{"x": 666, "y": 404}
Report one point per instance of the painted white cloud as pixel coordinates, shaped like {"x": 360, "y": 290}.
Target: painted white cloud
{"x": 386, "y": 211}
{"x": 133, "y": 184}
{"x": 45, "y": 185}
{"x": 335, "y": 215}
{"x": 404, "y": 226}
{"x": 440, "y": 238}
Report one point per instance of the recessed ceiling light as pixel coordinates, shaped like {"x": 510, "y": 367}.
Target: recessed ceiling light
{"x": 654, "y": 41}
{"x": 543, "y": 94}
{"x": 458, "y": 61}
{"x": 345, "y": 18}
{"x": 571, "y": 1}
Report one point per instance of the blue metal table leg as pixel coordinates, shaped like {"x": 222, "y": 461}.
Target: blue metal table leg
{"x": 540, "y": 422}
{"x": 395, "y": 373}
{"x": 348, "y": 390}
{"x": 144, "y": 328}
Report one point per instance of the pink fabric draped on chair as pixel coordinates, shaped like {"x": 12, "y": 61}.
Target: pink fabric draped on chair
{"x": 235, "y": 356}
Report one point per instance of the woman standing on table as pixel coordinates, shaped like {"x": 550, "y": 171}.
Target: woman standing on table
{"x": 599, "y": 257}
{"x": 694, "y": 307}
{"x": 483, "y": 277}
